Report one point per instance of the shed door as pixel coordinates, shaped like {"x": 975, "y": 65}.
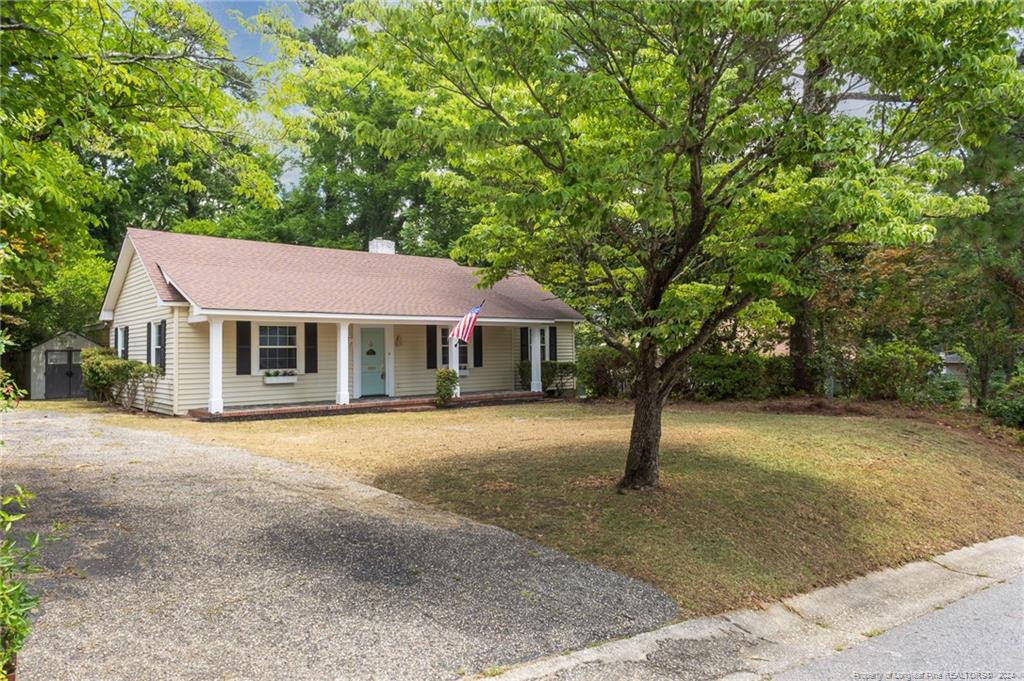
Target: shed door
{"x": 63, "y": 374}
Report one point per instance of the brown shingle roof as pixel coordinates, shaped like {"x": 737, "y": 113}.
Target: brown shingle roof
{"x": 232, "y": 274}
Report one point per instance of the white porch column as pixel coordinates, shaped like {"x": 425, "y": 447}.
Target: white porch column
{"x": 535, "y": 382}
{"x": 216, "y": 401}
{"x": 453, "y": 360}
{"x": 342, "y": 395}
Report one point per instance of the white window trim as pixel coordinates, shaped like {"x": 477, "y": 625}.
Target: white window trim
{"x": 300, "y": 346}
{"x": 154, "y": 329}
{"x": 545, "y": 348}
{"x": 442, "y": 332}
{"x": 121, "y": 348}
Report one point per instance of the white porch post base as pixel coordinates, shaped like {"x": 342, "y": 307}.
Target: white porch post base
{"x": 342, "y": 357}
{"x": 535, "y": 382}
{"x": 215, "y": 403}
{"x": 453, "y": 362}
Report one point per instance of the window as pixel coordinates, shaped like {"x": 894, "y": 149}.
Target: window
{"x": 543, "y": 345}
{"x": 122, "y": 346}
{"x": 156, "y": 351}
{"x": 278, "y": 348}
{"x": 463, "y": 351}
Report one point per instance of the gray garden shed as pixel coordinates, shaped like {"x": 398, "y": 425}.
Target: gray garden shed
{"x": 56, "y": 367}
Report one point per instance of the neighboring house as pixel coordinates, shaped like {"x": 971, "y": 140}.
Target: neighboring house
{"x": 56, "y": 367}
{"x": 219, "y": 315}
{"x": 953, "y": 366}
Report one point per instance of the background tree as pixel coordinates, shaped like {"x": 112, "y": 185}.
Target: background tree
{"x": 348, "y": 191}
{"x": 93, "y": 92}
{"x": 665, "y": 166}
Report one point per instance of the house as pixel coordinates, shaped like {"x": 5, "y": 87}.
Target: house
{"x": 55, "y": 370}
{"x": 239, "y": 324}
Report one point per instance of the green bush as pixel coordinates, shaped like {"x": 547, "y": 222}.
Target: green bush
{"x": 554, "y": 376}
{"x": 894, "y": 371}
{"x": 943, "y": 391}
{"x": 447, "y": 379}
{"x": 1007, "y": 405}
{"x": 710, "y": 377}
{"x": 18, "y": 559}
{"x": 603, "y": 372}
{"x": 110, "y": 378}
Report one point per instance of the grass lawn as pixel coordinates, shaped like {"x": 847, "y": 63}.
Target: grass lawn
{"x": 753, "y": 506}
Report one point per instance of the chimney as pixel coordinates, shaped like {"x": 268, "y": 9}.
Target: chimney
{"x": 381, "y": 245}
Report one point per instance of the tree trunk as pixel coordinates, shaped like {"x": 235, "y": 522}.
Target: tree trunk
{"x": 801, "y": 345}
{"x": 645, "y": 438}
{"x": 984, "y": 374}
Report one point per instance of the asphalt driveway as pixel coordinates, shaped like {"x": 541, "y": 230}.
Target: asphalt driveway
{"x": 186, "y": 561}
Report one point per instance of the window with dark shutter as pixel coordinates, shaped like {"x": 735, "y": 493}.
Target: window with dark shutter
{"x": 524, "y": 343}
{"x": 149, "y": 342}
{"x": 124, "y": 345}
{"x": 478, "y": 346}
{"x": 243, "y": 348}
{"x": 311, "y": 346}
{"x": 161, "y": 350}
{"x": 431, "y": 346}
{"x": 553, "y": 343}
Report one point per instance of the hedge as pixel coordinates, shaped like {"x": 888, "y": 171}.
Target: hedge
{"x": 1007, "y": 405}
{"x": 110, "y": 378}
{"x": 554, "y": 376}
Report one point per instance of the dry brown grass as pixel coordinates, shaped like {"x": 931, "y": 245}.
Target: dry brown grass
{"x": 753, "y": 505}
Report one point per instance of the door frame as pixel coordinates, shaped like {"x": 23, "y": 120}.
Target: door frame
{"x": 357, "y": 358}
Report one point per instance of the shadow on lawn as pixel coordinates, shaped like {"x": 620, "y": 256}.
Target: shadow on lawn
{"x": 720, "y": 531}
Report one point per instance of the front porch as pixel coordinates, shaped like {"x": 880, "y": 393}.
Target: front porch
{"x": 361, "y": 406}
{"x": 276, "y": 366}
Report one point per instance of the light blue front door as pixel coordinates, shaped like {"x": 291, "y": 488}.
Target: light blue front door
{"x": 373, "y": 362}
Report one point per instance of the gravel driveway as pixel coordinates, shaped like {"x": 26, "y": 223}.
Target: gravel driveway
{"x": 187, "y": 561}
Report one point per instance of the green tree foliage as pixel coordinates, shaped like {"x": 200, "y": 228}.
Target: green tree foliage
{"x": 348, "y": 191}
{"x": 69, "y": 300}
{"x": 663, "y": 166}
{"x": 92, "y": 91}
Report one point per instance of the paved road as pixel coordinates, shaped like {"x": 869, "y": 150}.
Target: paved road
{"x": 184, "y": 561}
{"x": 979, "y": 637}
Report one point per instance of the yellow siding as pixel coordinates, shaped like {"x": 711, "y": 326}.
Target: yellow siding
{"x": 501, "y": 356}
{"x": 250, "y": 390}
{"x": 136, "y": 306}
{"x": 412, "y": 377}
{"x": 566, "y": 342}
{"x": 193, "y": 361}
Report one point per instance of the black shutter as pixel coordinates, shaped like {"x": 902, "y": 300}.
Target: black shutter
{"x": 431, "y": 346}
{"x": 311, "y": 356}
{"x": 553, "y": 343}
{"x": 524, "y": 343}
{"x": 124, "y": 350}
{"x": 161, "y": 357}
{"x": 478, "y": 346}
{"x": 243, "y": 348}
{"x": 149, "y": 342}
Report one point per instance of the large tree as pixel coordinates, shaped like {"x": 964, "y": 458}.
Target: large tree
{"x": 663, "y": 166}
{"x": 93, "y": 92}
{"x": 348, "y": 191}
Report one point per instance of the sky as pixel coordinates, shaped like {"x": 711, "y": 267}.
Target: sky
{"x": 244, "y": 44}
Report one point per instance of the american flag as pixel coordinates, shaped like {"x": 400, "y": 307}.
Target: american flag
{"x": 464, "y": 329}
